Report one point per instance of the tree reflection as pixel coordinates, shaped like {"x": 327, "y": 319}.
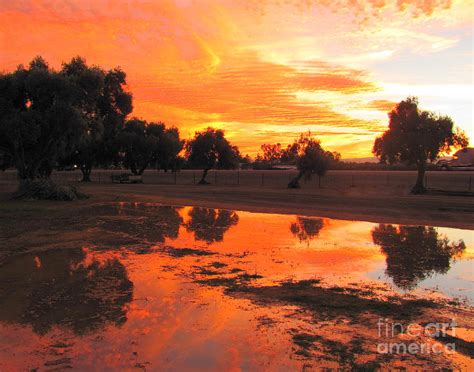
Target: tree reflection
{"x": 306, "y": 229}
{"x": 210, "y": 225}
{"x": 414, "y": 253}
{"x": 67, "y": 288}
{"x": 143, "y": 222}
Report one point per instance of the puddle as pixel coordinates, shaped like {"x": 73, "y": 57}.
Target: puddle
{"x": 152, "y": 287}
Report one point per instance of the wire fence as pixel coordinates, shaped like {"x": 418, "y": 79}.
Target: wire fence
{"x": 336, "y": 179}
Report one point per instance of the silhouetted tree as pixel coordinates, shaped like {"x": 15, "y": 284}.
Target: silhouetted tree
{"x": 115, "y": 104}
{"x": 415, "y": 137}
{"x": 210, "y": 225}
{"x": 413, "y": 253}
{"x": 62, "y": 287}
{"x": 169, "y": 147}
{"x": 290, "y": 153}
{"x": 140, "y": 144}
{"x": 40, "y": 118}
{"x": 271, "y": 152}
{"x": 312, "y": 158}
{"x": 306, "y": 229}
{"x": 49, "y": 117}
{"x": 103, "y": 102}
{"x": 209, "y": 149}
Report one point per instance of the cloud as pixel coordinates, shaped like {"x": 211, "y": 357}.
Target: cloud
{"x": 243, "y": 88}
{"x": 360, "y": 7}
{"x": 424, "y": 6}
{"x": 262, "y": 70}
{"x": 382, "y": 105}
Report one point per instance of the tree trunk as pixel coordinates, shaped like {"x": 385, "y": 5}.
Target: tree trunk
{"x": 86, "y": 173}
{"x": 133, "y": 168}
{"x": 295, "y": 182}
{"x": 203, "y": 178}
{"x": 45, "y": 170}
{"x": 142, "y": 169}
{"x": 419, "y": 187}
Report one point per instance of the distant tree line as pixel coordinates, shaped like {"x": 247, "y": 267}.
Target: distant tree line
{"x": 79, "y": 115}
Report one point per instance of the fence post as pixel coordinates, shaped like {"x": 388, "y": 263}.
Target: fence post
{"x": 352, "y": 181}
{"x": 319, "y": 181}
{"x": 175, "y": 177}
{"x": 99, "y": 176}
{"x": 388, "y": 179}
{"x": 238, "y": 178}
{"x": 263, "y": 179}
{"x": 194, "y": 178}
{"x": 215, "y": 177}
{"x": 470, "y": 183}
{"x": 426, "y": 180}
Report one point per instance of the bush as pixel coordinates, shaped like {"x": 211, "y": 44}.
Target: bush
{"x": 44, "y": 189}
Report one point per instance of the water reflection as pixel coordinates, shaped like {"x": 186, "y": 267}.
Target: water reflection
{"x": 414, "y": 253}
{"x": 144, "y": 223}
{"x": 210, "y": 225}
{"x": 306, "y": 229}
{"x": 223, "y": 291}
{"x": 64, "y": 287}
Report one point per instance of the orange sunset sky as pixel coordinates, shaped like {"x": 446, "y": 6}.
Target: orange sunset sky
{"x": 262, "y": 70}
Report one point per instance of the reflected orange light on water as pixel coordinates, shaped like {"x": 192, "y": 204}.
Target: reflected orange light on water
{"x": 203, "y": 290}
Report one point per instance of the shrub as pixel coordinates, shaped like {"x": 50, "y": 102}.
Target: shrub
{"x": 44, "y": 189}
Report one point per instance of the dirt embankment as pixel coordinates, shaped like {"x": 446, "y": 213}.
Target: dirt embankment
{"x": 372, "y": 205}
{"x": 381, "y": 197}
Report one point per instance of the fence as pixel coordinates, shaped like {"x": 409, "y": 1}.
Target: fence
{"x": 336, "y": 179}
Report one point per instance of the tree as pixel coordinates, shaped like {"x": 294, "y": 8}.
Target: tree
{"x": 140, "y": 144}
{"x": 210, "y": 225}
{"x": 290, "y": 154}
{"x": 271, "y": 152}
{"x": 306, "y": 229}
{"x": 67, "y": 288}
{"x": 414, "y": 253}
{"x": 312, "y": 158}
{"x": 115, "y": 104}
{"x": 104, "y": 104}
{"x": 48, "y": 117}
{"x": 90, "y": 82}
{"x": 416, "y": 137}
{"x": 170, "y": 146}
{"x": 209, "y": 149}
{"x": 40, "y": 118}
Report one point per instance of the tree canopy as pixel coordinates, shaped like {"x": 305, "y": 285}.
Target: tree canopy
{"x": 68, "y": 116}
{"x": 415, "y": 137}
{"x": 104, "y": 104}
{"x": 144, "y": 144}
{"x": 40, "y": 117}
{"x": 77, "y": 292}
{"x": 140, "y": 142}
{"x": 276, "y": 153}
{"x": 169, "y": 148}
{"x": 209, "y": 149}
{"x": 210, "y": 225}
{"x": 312, "y": 159}
{"x": 306, "y": 229}
{"x": 414, "y": 253}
